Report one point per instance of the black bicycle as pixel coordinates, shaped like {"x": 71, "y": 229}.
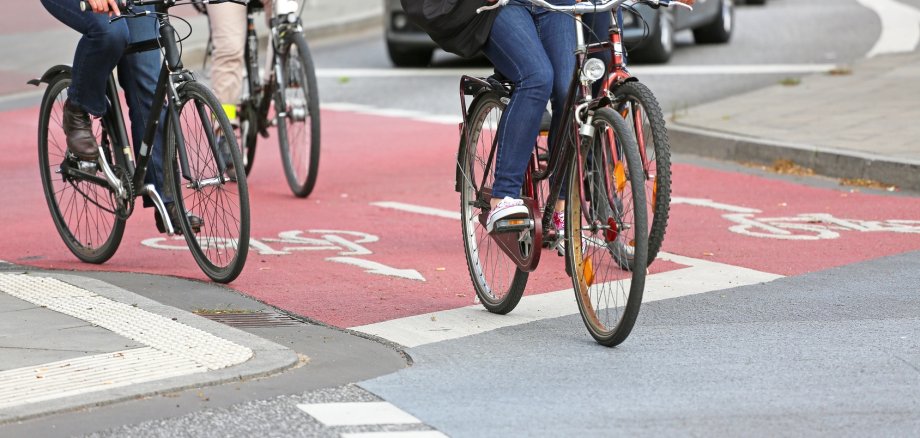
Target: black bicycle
{"x": 91, "y": 200}
{"x": 599, "y": 169}
{"x": 291, "y": 87}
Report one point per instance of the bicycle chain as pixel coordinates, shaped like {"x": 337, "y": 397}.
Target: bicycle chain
{"x": 124, "y": 206}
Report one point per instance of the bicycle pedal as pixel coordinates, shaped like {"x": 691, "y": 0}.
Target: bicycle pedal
{"x": 509, "y": 225}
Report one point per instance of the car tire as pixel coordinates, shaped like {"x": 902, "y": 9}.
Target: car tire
{"x": 720, "y": 29}
{"x": 409, "y": 56}
{"x": 755, "y": 2}
{"x": 658, "y": 47}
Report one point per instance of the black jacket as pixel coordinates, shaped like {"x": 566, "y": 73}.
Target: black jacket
{"x": 453, "y": 24}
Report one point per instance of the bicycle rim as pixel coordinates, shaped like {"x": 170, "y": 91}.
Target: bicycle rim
{"x": 298, "y": 116}
{"x": 498, "y": 282}
{"x": 606, "y": 238}
{"x": 83, "y": 211}
{"x": 221, "y": 244}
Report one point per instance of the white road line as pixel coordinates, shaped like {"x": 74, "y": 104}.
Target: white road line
{"x": 357, "y": 414}
{"x": 399, "y": 434}
{"x": 418, "y": 209}
{"x": 747, "y": 69}
{"x": 392, "y": 112}
{"x": 700, "y": 276}
{"x": 900, "y": 27}
{"x": 172, "y": 349}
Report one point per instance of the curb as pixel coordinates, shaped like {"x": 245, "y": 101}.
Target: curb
{"x": 269, "y": 358}
{"x": 837, "y": 163}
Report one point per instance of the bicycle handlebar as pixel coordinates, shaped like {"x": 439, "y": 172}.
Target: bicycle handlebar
{"x": 85, "y": 6}
{"x": 590, "y": 8}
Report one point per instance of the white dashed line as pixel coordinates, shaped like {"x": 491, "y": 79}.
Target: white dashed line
{"x": 358, "y": 414}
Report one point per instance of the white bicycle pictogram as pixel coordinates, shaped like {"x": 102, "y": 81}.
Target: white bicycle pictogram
{"x": 805, "y": 226}
{"x": 348, "y": 244}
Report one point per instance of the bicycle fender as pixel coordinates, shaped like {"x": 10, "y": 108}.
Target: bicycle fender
{"x": 50, "y": 74}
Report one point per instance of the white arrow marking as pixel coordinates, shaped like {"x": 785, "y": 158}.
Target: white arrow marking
{"x": 900, "y": 27}
{"x": 378, "y": 268}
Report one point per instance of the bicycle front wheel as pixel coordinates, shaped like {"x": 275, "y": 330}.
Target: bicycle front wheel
{"x": 606, "y": 229}
{"x": 499, "y": 283}
{"x": 202, "y": 186}
{"x": 84, "y": 211}
{"x": 297, "y": 113}
{"x": 638, "y": 105}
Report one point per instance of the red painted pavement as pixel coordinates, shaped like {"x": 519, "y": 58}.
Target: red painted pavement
{"x": 368, "y": 159}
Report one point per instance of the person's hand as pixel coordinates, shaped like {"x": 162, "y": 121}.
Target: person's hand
{"x": 104, "y": 6}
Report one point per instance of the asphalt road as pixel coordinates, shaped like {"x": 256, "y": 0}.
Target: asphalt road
{"x": 744, "y": 334}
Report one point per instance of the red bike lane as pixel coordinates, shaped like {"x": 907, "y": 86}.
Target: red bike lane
{"x": 338, "y": 258}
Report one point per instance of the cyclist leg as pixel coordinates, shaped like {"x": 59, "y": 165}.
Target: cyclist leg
{"x": 516, "y": 51}
{"x": 558, "y": 38}
{"x": 138, "y": 74}
{"x": 228, "y": 34}
{"x": 101, "y": 45}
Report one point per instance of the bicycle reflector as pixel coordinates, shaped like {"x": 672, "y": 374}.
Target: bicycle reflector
{"x": 592, "y": 70}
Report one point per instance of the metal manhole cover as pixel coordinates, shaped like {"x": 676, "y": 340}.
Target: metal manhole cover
{"x": 252, "y": 319}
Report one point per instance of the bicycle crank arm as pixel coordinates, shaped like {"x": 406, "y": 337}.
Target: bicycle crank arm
{"x": 113, "y": 180}
{"x": 150, "y": 191}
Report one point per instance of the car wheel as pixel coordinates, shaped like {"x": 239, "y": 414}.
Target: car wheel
{"x": 659, "y": 45}
{"x": 721, "y": 27}
{"x": 409, "y": 57}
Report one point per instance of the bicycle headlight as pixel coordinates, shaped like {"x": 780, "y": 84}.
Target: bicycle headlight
{"x": 592, "y": 70}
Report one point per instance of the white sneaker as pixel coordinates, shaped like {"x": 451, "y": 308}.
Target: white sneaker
{"x": 506, "y": 207}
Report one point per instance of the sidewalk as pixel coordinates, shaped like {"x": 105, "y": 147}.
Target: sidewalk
{"x": 859, "y": 122}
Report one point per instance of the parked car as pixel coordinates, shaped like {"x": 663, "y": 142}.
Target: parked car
{"x": 649, "y": 32}
{"x": 651, "y": 37}
{"x": 407, "y": 44}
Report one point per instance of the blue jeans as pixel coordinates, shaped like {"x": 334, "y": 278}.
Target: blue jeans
{"x": 534, "y": 48}
{"x": 99, "y": 51}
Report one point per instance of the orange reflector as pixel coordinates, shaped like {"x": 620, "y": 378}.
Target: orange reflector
{"x": 587, "y": 271}
{"x": 619, "y": 175}
{"x": 654, "y": 192}
{"x": 516, "y": 221}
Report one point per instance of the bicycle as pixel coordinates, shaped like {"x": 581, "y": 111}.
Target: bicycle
{"x": 606, "y": 239}
{"x": 90, "y": 201}
{"x": 636, "y": 102}
{"x": 293, "y": 90}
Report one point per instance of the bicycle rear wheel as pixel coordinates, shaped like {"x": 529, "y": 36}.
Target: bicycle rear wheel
{"x": 606, "y": 230}
{"x": 297, "y": 112}
{"x": 498, "y": 282}
{"x": 84, "y": 211}
{"x": 200, "y": 185}
{"x": 638, "y": 105}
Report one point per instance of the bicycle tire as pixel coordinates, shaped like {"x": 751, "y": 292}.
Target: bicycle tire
{"x": 83, "y": 212}
{"x": 637, "y": 103}
{"x": 299, "y": 139}
{"x": 204, "y": 190}
{"x": 599, "y": 232}
{"x": 490, "y": 269}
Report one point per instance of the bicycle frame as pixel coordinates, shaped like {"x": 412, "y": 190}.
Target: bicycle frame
{"x": 578, "y": 114}
{"x": 260, "y": 92}
{"x": 172, "y": 75}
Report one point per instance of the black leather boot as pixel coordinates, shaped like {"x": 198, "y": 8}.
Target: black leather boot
{"x": 78, "y": 128}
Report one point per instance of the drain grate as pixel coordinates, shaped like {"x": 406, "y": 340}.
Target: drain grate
{"x": 261, "y": 319}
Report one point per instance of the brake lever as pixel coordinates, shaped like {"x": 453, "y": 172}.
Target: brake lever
{"x": 497, "y": 5}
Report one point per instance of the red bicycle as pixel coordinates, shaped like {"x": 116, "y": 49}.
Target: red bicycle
{"x": 636, "y": 102}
